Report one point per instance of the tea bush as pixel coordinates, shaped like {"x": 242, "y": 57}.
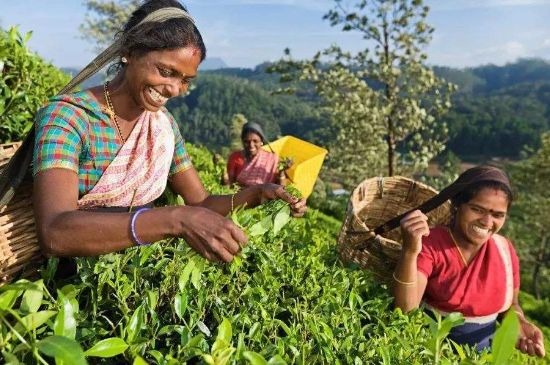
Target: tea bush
{"x": 26, "y": 82}
{"x": 286, "y": 299}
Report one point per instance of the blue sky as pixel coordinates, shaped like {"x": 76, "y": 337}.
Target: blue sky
{"x": 245, "y": 33}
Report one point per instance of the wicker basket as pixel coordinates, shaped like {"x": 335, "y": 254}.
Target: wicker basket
{"x": 19, "y": 250}
{"x": 373, "y": 203}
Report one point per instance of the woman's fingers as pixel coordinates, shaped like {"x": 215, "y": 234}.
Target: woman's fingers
{"x": 414, "y": 216}
{"x": 281, "y": 193}
{"x": 415, "y": 223}
{"x": 538, "y": 343}
{"x": 527, "y": 346}
{"x": 239, "y": 236}
{"x": 212, "y": 235}
{"x": 539, "y": 350}
{"x": 299, "y": 208}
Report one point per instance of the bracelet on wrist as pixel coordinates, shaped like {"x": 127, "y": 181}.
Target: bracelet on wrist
{"x": 133, "y": 233}
{"x": 406, "y": 283}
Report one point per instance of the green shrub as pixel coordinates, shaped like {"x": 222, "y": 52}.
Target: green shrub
{"x": 26, "y": 82}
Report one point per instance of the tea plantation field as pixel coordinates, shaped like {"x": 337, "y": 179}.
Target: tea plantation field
{"x": 286, "y": 299}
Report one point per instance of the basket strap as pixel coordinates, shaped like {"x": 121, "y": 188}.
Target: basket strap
{"x": 425, "y": 207}
{"x": 15, "y": 170}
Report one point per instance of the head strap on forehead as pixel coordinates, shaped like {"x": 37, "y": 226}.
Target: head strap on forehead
{"x": 164, "y": 14}
{"x": 113, "y": 51}
{"x": 481, "y": 173}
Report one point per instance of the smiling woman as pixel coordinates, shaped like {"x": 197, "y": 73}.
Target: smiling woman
{"x": 103, "y": 155}
{"x": 466, "y": 267}
{"x": 252, "y": 165}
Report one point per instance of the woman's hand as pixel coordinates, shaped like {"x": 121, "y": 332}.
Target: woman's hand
{"x": 210, "y": 234}
{"x": 274, "y": 191}
{"x": 413, "y": 227}
{"x": 530, "y": 339}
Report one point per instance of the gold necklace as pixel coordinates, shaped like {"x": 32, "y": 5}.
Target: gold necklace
{"x": 111, "y": 111}
{"x": 458, "y": 248}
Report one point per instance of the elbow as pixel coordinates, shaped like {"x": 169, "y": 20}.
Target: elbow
{"x": 50, "y": 243}
{"x": 406, "y": 304}
{"x": 406, "y": 308}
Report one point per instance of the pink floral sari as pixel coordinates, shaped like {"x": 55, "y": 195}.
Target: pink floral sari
{"x": 139, "y": 172}
{"x": 260, "y": 170}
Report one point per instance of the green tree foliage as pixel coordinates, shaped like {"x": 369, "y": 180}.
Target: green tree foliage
{"x": 26, "y": 83}
{"x": 530, "y": 217}
{"x": 237, "y": 123}
{"x": 105, "y": 18}
{"x": 383, "y": 98}
{"x": 500, "y": 123}
{"x": 522, "y": 71}
{"x": 205, "y": 114}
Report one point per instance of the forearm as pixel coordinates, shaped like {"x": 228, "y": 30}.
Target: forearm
{"x": 89, "y": 233}
{"x": 248, "y": 197}
{"x": 405, "y": 288}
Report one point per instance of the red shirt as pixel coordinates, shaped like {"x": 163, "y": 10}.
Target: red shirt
{"x": 235, "y": 163}
{"x": 474, "y": 290}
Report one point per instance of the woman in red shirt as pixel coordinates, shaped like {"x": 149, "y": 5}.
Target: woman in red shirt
{"x": 466, "y": 267}
{"x": 252, "y": 165}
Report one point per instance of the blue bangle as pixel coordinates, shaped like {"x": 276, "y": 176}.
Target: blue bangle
{"x": 135, "y": 239}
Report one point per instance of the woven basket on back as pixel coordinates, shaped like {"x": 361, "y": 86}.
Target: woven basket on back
{"x": 19, "y": 250}
{"x": 373, "y": 203}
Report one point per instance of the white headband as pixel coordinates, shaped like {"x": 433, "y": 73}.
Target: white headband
{"x": 109, "y": 54}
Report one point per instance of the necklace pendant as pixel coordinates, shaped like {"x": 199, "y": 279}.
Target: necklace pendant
{"x": 109, "y": 112}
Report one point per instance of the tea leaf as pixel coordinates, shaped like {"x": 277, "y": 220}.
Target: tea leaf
{"x": 261, "y": 227}
{"x": 254, "y": 358}
{"x": 224, "y": 331}
{"x": 180, "y": 304}
{"x": 134, "y": 325}
{"x": 32, "y": 298}
{"x": 64, "y": 349}
{"x": 8, "y": 298}
{"x": 276, "y": 360}
{"x": 203, "y": 328}
{"x": 505, "y": 339}
{"x": 34, "y": 320}
{"x": 139, "y": 361}
{"x": 65, "y": 323}
{"x": 108, "y": 347}
{"x": 281, "y": 219}
{"x": 184, "y": 277}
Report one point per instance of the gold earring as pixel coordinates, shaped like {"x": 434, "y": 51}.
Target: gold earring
{"x": 124, "y": 60}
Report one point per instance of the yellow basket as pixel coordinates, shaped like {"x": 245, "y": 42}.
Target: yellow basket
{"x": 307, "y": 157}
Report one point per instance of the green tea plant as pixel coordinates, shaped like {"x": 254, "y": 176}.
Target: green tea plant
{"x": 26, "y": 82}
{"x": 286, "y": 299}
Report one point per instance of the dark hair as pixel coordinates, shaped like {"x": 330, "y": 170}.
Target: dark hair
{"x": 468, "y": 194}
{"x": 255, "y": 128}
{"x": 153, "y": 36}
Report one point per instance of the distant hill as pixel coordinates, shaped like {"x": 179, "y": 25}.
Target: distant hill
{"x": 491, "y": 78}
{"x": 212, "y": 63}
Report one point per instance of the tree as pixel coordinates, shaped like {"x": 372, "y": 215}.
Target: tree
{"x": 395, "y": 96}
{"x": 530, "y": 216}
{"x": 105, "y": 18}
{"x": 237, "y": 122}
